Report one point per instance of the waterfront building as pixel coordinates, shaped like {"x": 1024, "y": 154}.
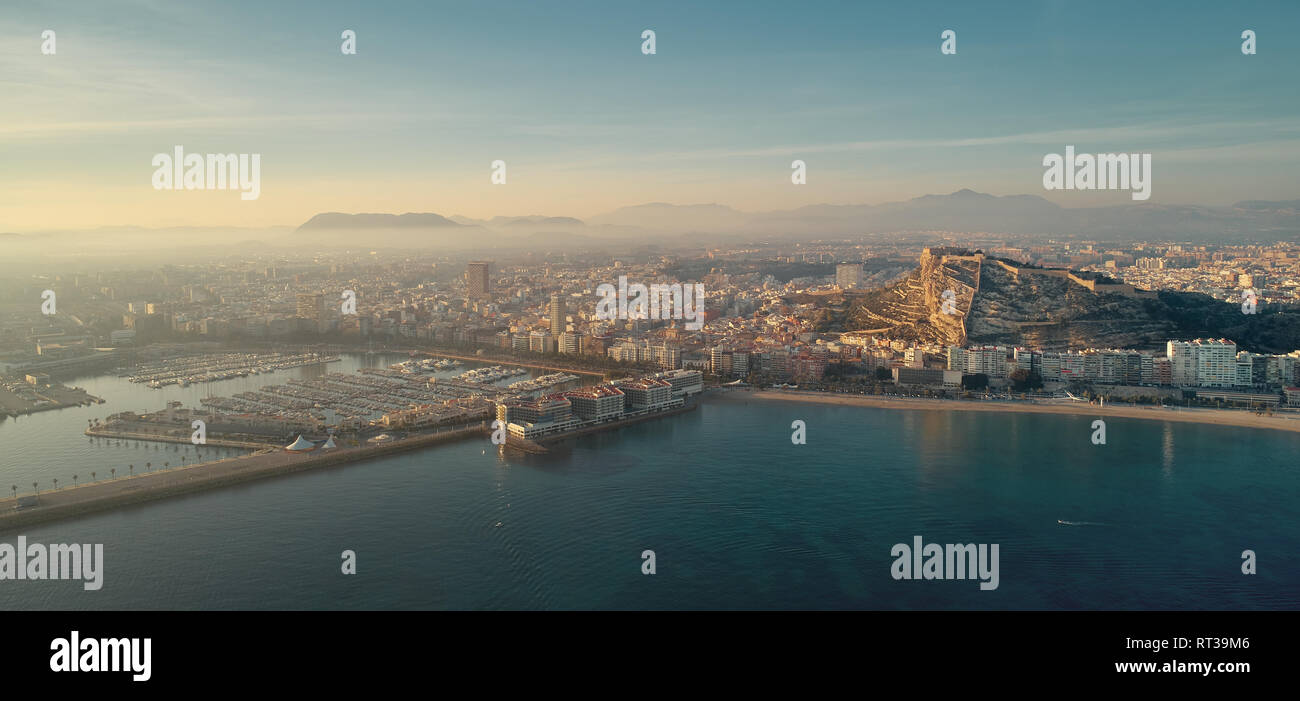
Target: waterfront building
{"x": 645, "y": 393}
{"x": 598, "y": 403}
{"x": 1245, "y": 372}
{"x": 1182, "y": 362}
{"x": 1162, "y": 371}
{"x": 682, "y": 383}
{"x": 1216, "y": 362}
{"x": 541, "y": 342}
{"x": 548, "y": 409}
{"x": 665, "y": 356}
{"x": 927, "y": 377}
{"x": 571, "y": 342}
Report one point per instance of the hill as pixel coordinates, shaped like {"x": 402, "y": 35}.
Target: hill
{"x": 1000, "y": 302}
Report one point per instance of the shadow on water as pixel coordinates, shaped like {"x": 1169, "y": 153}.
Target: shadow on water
{"x": 567, "y": 458}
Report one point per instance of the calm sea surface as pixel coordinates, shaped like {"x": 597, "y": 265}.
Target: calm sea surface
{"x": 736, "y": 515}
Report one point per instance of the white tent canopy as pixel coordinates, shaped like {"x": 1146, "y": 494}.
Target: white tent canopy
{"x": 327, "y": 445}
{"x": 302, "y": 444}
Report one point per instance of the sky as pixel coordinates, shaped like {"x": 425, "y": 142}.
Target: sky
{"x": 586, "y": 123}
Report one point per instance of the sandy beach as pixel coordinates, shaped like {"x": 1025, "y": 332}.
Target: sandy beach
{"x": 1221, "y": 417}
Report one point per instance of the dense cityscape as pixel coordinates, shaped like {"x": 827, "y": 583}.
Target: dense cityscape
{"x": 762, "y": 322}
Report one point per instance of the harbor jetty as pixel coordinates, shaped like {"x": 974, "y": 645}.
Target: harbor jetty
{"x": 182, "y": 438}
{"x": 69, "y": 502}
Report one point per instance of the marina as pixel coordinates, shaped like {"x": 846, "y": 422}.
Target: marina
{"x": 33, "y": 393}
{"x": 214, "y": 367}
{"x": 407, "y": 395}
{"x": 544, "y": 382}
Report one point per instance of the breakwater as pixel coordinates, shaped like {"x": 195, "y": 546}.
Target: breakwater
{"x": 158, "y": 437}
{"x": 52, "y": 505}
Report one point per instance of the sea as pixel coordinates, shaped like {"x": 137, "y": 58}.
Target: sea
{"x": 731, "y": 513}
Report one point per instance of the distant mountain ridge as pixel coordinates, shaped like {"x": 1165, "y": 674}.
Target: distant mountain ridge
{"x": 963, "y": 210}
{"x": 339, "y": 220}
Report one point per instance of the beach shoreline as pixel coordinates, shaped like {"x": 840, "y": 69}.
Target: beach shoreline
{"x": 1218, "y": 417}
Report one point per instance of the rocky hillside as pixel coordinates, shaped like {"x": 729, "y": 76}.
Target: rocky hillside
{"x": 1004, "y": 303}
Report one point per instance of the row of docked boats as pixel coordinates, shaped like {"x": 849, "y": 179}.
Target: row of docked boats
{"x": 489, "y": 374}
{"x": 195, "y": 369}
{"x": 412, "y": 367}
{"x": 543, "y": 382}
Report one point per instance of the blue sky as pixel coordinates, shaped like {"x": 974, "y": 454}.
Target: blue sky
{"x": 586, "y": 123}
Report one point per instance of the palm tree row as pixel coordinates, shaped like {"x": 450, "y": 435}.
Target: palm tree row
{"x": 94, "y": 475}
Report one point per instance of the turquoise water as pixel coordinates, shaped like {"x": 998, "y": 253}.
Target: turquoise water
{"x": 737, "y": 516}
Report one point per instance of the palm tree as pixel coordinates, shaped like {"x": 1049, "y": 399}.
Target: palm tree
{"x": 130, "y": 469}
{"x": 74, "y": 480}
{"x": 182, "y": 459}
{"x": 92, "y": 476}
{"x": 56, "y": 483}
{"x": 147, "y": 466}
{"x": 35, "y": 490}
{"x": 166, "y": 465}
{"x": 15, "y": 488}
{"x": 113, "y": 471}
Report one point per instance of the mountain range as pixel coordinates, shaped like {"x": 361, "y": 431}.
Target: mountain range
{"x": 964, "y": 210}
